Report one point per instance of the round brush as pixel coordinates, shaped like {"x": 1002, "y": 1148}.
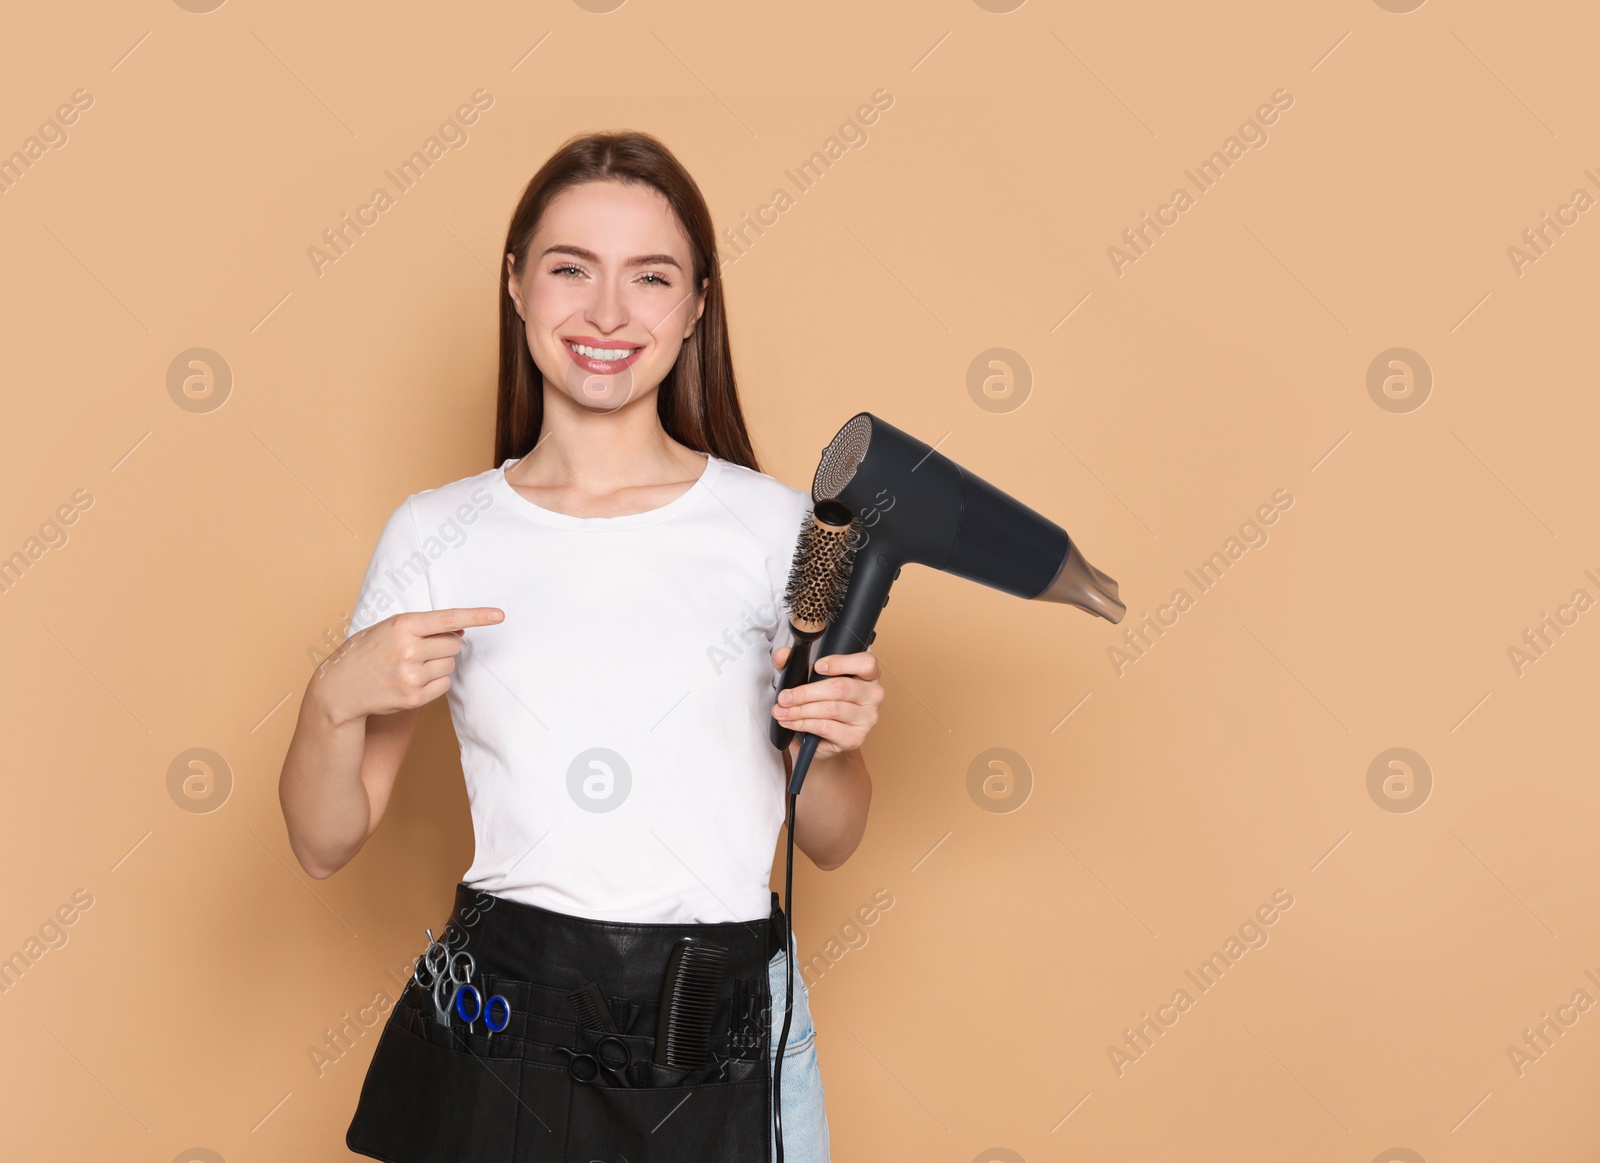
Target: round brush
{"x": 819, "y": 579}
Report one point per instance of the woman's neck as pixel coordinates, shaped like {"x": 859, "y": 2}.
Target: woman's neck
{"x": 588, "y": 463}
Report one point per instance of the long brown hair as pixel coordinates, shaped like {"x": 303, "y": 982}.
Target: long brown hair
{"x": 697, "y": 401}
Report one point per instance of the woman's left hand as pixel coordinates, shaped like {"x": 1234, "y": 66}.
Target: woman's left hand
{"x": 840, "y": 709}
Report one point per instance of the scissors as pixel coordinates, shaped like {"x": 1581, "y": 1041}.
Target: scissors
{"x": 447, "y": 974}
{"x": 611, "y": 1055}
{"x": 482, "y": 1008}
{"x": 451, "y": 974}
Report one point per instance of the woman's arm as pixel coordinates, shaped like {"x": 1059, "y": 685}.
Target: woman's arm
{"x": 830, "y": 814}
{"x": 337, "y": 778}
{"x": 831, "y": 810}
{"x": 356, "y": 720}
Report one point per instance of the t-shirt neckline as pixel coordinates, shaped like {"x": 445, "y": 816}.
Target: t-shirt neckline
{"x": 679, "y": 504}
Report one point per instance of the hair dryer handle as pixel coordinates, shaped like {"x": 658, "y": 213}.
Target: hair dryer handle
{"x": 852, "y": 632}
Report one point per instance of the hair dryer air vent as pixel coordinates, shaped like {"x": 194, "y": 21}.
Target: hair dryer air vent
{"x": 842, "y": 457}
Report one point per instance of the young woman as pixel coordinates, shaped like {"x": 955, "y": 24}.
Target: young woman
{"x": 603, "y": 609}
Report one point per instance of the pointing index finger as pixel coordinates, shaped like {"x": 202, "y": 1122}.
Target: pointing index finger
{"x": 455, "y": 619}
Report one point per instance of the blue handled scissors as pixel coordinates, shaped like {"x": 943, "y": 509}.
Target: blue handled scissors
{"x": 481, "y": 1007}
{"x": 449, "y": 975}
{"x": 611, "y": 1055}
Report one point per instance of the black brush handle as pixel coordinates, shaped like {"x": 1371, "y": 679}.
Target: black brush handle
{"x": 796, "y": 672}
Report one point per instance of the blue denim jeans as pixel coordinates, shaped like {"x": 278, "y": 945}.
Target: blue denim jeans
{"x": 805, "y": 1118}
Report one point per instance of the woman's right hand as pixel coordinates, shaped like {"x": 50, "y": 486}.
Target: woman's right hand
{"x": 402, "y": 662}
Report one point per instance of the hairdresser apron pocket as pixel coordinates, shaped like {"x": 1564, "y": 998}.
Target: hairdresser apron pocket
{"x": 728, "y": 1122}
{"x": 426, "y": 1102}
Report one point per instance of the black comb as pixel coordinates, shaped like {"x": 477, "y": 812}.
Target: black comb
{"x": 593, "y": 1013}
{"x": 689, "y": 997}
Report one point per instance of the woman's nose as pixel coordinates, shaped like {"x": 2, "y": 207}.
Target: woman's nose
{"x": 607, "y": 308}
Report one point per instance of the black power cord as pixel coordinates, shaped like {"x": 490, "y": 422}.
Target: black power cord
{"x": 788, "y": 986}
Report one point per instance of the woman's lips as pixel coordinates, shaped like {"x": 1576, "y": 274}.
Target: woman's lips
{"x": 599, "y": 366}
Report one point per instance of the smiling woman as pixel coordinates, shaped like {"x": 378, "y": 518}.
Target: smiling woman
{"x": 657, "y": 315}
{"x": 627, "y": 951}
{"x": 643, "y": 305}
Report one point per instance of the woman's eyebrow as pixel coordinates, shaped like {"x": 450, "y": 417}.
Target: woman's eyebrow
{"x": 643, "y": 260}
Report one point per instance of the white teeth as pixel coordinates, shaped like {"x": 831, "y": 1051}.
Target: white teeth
{"x": 604, "y": 354}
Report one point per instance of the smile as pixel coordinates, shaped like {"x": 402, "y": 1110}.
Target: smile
{"x": 599, "y": 359}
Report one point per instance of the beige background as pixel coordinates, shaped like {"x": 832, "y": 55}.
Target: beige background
{"x": 223, "y": 548}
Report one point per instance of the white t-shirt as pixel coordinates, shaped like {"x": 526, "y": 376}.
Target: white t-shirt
{"x": 613, "y": 728}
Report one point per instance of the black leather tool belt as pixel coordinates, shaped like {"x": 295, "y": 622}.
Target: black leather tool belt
{"x": 573, "y": 1073}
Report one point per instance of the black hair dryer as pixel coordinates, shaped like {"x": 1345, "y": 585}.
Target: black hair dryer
{"x": 911, "y": 504}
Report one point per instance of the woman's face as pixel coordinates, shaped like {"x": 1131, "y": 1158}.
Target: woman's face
{"x": 607, "y": 293}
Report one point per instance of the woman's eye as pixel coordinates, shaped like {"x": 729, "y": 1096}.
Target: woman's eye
{"x": 659, "y": 281}
{"x": 565, "y": 269}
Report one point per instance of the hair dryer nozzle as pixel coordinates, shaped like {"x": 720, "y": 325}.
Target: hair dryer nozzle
{"x": 1080, "y": 584}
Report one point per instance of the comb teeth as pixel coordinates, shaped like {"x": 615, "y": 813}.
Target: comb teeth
{"x": 689, "y": 1002}
{"x": 819, "y": 577}
{"x": 591, "y": 1008}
